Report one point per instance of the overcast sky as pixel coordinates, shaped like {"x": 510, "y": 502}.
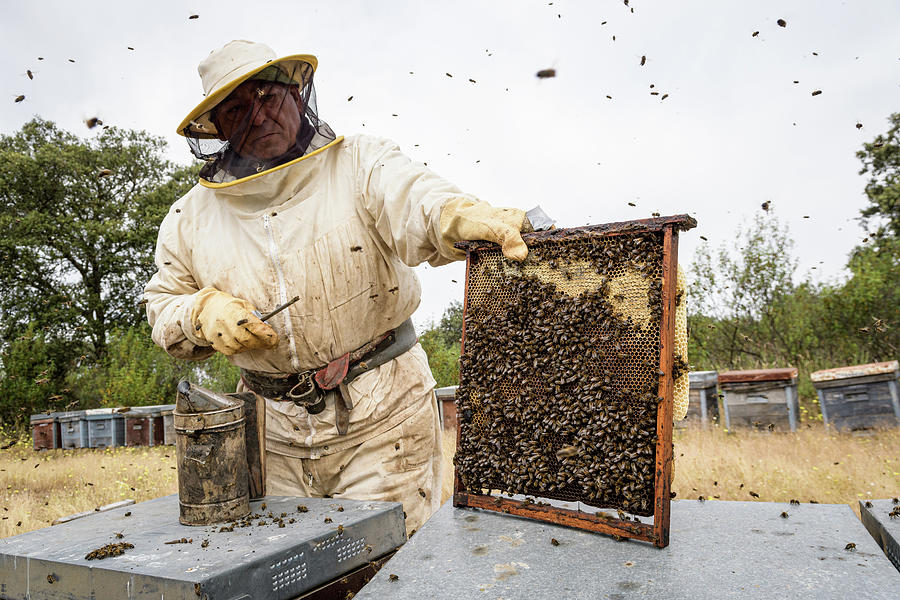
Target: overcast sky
{"x": 734, "y": 131}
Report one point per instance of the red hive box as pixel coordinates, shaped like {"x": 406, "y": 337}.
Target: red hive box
{"x": 44, "y": 431}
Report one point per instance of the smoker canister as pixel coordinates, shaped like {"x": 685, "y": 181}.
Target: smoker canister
{"x": 212, "y": 462}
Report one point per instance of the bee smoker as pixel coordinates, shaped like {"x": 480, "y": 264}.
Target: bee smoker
{"x": 219, "y": 454}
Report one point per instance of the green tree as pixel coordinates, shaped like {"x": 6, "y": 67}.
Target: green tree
{"x": 861, "y": 317}
{"x": 80, "y": 219}
{"x": 33, "y": 378}
{"x": 442, "y": 343}
{"x": 450, "y": 326}
{"x": 865, "y": 311}
{"x": 745, "y": 310}
{"x": 217, "y": 374}
{"x": 137, "y": 372}
{"x": 881, "y": 162}
{"x": 443, "y": 359}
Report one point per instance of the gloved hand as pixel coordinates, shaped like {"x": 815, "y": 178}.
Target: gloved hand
{"x": 467, "y": 220}
{"x": 215, "y": 317}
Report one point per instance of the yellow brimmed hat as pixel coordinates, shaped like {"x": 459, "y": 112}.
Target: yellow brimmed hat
{"x": 231, "y": 65}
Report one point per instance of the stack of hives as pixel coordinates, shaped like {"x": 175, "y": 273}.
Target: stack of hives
{"x": 103, "y": 427}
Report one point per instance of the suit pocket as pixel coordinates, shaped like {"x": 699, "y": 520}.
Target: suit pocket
{"x": 413, "y": 446}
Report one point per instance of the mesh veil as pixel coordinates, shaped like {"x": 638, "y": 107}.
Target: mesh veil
{"x": 252, "y": 129}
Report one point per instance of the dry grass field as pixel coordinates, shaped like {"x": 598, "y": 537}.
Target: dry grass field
{"x": 38, "y": 487}
{"x": 812, "y": 464}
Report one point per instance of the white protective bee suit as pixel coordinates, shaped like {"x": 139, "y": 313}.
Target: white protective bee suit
{"x": 341, "y": 229}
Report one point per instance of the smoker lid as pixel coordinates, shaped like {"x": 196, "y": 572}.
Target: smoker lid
{"x": 879, "y": 368}
{"x": 785, "y": 374}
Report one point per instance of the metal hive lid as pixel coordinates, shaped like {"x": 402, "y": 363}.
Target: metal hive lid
{"x": 259, "y": 561}
{"x": 848, "y": 372}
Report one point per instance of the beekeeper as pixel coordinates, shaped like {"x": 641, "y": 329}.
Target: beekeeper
{"x": 285, "y": 208}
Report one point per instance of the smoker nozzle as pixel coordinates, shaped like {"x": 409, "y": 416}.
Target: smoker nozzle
{"x": 195, "y": 399}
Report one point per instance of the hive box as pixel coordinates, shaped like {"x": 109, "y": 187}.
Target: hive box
{"x": 446, "y": 399}
{"x": 168, "y": 423}
{"x": 859, "y": 396}
{"x": 144, "y": 426}
{"x": 718, "y": 550}
{"x": 105, "y": 428}
{"x": 73, "y": 431}
{"x": 761, "y": 398}
{"x": 45, "y": 431}
{"x": 703, "y": 408}
{"x": 262, "y": 561}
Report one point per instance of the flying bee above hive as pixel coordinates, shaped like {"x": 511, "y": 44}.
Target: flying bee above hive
{"x": 568, "y": 375}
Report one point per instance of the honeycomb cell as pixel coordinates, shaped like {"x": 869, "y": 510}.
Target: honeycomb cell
{"x": 682, "y": 384}
{"x": 559, "y": 376}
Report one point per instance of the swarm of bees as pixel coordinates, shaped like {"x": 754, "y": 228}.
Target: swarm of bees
{"x": 108, "y": 550}
{"x": 559, "y": 390}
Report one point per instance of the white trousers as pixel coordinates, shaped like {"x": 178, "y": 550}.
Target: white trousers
{"x": 403, "y": 464}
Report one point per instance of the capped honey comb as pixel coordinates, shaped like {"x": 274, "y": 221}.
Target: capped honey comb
{"x": 682, "y": 382}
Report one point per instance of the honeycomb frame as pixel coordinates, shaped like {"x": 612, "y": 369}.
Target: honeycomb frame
{"x": 506, "y": 417}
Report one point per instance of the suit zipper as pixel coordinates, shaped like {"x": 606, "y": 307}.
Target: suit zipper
{"x": 282, "y": 293}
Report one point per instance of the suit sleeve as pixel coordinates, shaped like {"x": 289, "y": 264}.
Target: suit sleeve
{"x": 171, "y": 291}
{"x": 404, "y": 199}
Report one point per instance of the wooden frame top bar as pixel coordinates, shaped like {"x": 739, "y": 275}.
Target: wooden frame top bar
{"x": 680, "y": 223}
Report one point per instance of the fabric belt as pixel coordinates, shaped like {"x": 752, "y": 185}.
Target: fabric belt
{"x": 310, "y": 388}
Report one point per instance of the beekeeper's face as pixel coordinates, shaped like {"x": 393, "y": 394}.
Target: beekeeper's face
{"x": 260, "y": 119}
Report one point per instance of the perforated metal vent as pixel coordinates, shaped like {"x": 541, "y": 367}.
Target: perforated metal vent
{"x": 288, "y": 572}
{"x": 343, "y": 547}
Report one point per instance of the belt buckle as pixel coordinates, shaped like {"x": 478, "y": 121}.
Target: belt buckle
{"x": 307, "y": 394}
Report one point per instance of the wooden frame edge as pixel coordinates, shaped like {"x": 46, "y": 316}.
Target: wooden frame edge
{"x": 664, "y": 425}
{"x": 600, "y": 523}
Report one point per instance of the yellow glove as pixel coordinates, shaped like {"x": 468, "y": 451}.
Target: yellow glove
{"x": 468, "y": 220}
{"x": 215, "y": 317}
